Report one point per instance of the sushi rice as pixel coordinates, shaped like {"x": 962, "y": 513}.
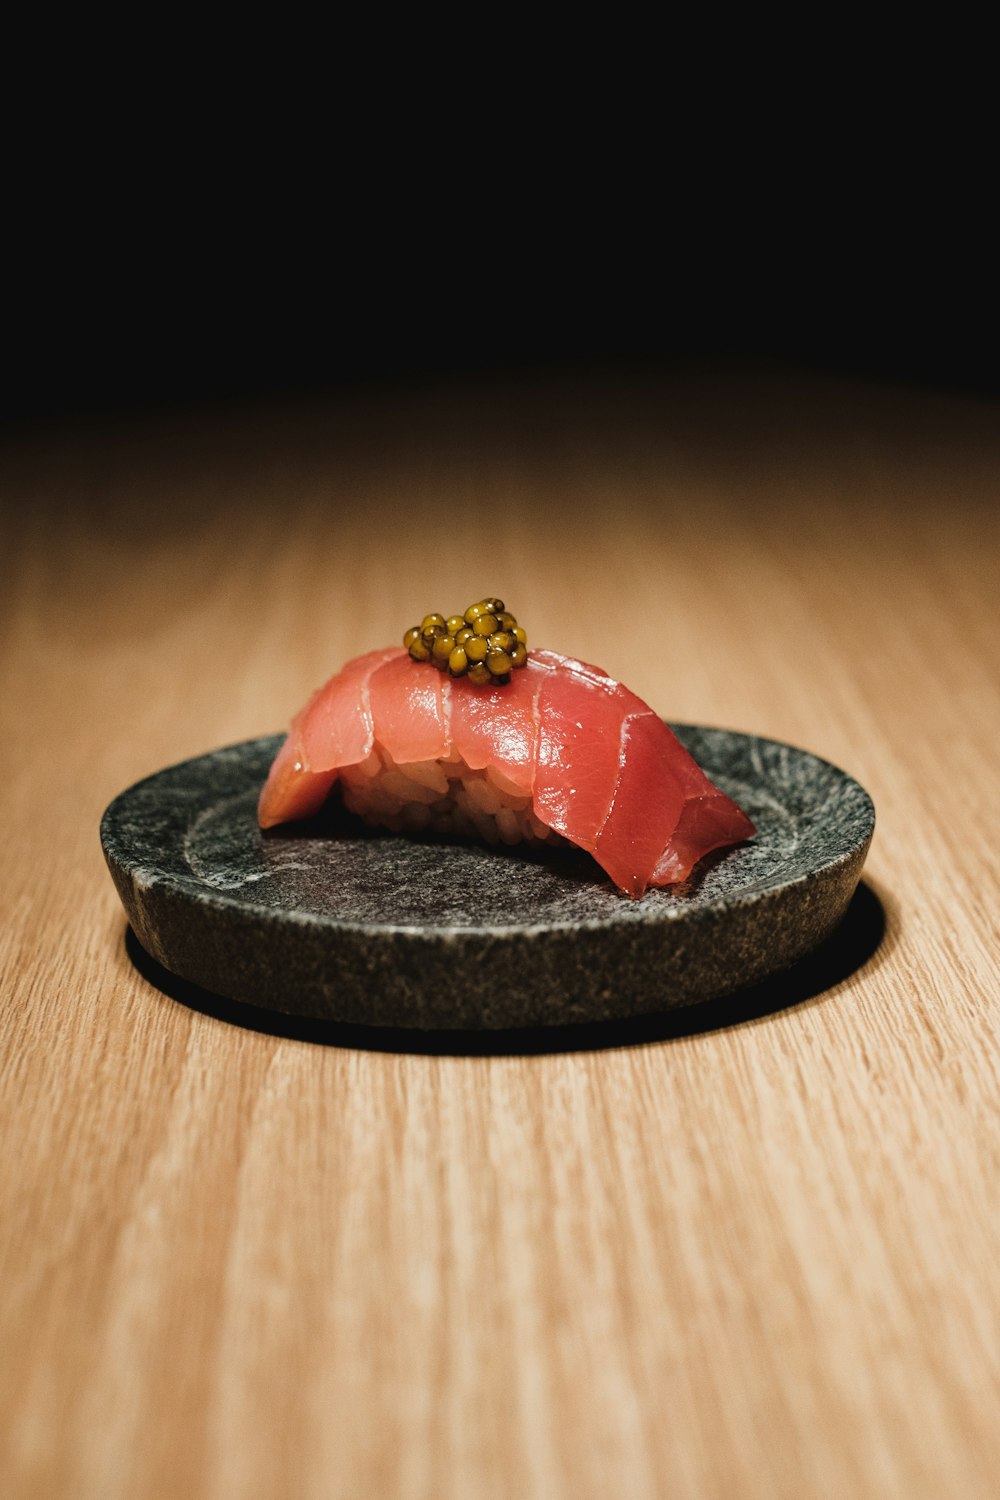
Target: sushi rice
{"x": 442, "y": 797}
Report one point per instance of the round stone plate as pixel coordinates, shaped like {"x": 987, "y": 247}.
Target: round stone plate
{"x": 331, "y": 919}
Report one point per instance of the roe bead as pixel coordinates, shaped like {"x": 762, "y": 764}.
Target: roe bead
{"x": 499, "y": 662}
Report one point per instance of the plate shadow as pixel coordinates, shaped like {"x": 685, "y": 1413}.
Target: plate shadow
{"x": 849, "y": 948}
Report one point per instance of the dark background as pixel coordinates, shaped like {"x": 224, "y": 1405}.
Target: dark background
{"x": 166, "y": 276}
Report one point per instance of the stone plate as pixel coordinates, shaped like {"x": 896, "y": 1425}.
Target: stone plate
{"x": 333, "y": 920}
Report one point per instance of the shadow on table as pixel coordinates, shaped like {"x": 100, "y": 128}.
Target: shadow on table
{"x": 854, "y": 944}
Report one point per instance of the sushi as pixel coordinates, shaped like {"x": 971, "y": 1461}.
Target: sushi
{"x": 537, "y": 748}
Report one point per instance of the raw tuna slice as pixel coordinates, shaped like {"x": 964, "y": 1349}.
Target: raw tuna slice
{"x": 334, "y": 730}
{"x": 562, "y": 751}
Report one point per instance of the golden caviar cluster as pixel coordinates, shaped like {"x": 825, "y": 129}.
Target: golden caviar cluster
{"x": 485, "y": 644}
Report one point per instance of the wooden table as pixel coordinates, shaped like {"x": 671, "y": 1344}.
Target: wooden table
{"x": 756, "y": 1260}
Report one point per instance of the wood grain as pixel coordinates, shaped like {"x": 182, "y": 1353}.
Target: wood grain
{"x": 760, "y": 1261}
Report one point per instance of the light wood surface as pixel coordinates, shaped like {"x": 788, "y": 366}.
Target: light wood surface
{"x": 761, "y": 1260}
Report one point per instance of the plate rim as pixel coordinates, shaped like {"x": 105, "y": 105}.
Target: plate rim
{"x": 146, "y": 877}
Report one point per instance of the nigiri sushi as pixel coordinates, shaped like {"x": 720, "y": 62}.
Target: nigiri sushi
{"x": 555, "y": 750}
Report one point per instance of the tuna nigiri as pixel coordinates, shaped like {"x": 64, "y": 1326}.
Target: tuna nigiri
{"x": 557, "y": 750}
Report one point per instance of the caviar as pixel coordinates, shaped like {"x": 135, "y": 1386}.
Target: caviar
{"x": 484, "y": 643}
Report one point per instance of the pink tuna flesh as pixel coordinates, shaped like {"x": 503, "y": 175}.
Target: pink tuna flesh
{"x": 290, "y": 791}
{"x": 602, "y": 769}
{"x": 497, "y": 727}
{"x": 408, "y": 711}
{"x": 335, "y": 727}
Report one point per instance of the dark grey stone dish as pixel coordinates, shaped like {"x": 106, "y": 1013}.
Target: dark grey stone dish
{"x": 332, "y": 920}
